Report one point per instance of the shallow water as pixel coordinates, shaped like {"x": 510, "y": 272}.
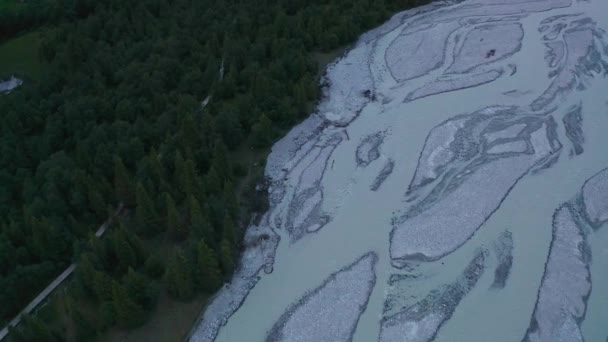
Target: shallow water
{"x": 327, "y": 217}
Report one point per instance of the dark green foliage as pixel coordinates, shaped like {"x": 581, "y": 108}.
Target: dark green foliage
{"x": 85, "y": 272}
{"x": 208, "y": 273}
{"x": 230, "y": 201}
{"x": 147, "y": 217}
{"x": 128, "y": 312}
{"x": 140, "y": 289}
{"x": 102, "y": 285}
{"x": 124, "y": 253}
{"x": 179, "y": 276}
{"x": 97, "y": 203}
{"x": 175, "y": 225}
{"x": 34, "y": 329}
{"x": 117, "y": 117}
{"x": 220, "y": 162}
{"x": 227, "y": 257}
{"x": 199, "y": 220}
{"x": 123, "y": 183}
{"x": 262, "y": 132}
{"x": 107, "y": 315}
{"x": 154, "y": 266}
{"x": 16, "y": 16}
{"x": 85, "y": 328}
{"x": 230, "y": 233}
{"x": 213, "y": 181}
{"x": 141, "y": 254}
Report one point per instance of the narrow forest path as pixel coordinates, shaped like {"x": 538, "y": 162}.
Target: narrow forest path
{"x": 44, "y": 294}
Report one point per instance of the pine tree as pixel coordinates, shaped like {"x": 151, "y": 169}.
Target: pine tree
{"x": 189, "y": 182}
{"x": 155, "y": 265}
{"x": 157, "y": 169}
{"x": 199, "y": 220}
{"x": 227, "y": 257}
{"x": 102, "y": 286}
{"x": 262, "y": 132}
{"x": 48, "y": 239}
{"x": 138, "y": 288}
{"x": 86, "y": 272}
{"x": 124, "y": 252}
{"x": 129, "y": 314}
{"x": 230, "y": 200}
{"x": 209, "y": 126}
{"x": 213, "y": 181}
{"x": 148, "y": 220}
{"x": 100, "y": 251}
{"x": 208, "y": 270}
{"x": 96, "y": 201}
{"x": 36, "y": 330}
{"x": 40, "y": 236}
{"x": 84, "y": 326}
{"x": 174, "y": 225}
{"x": 178, "y": 276}
{"x": 229, "y": 230}
{"x": 189, "y": 132}
{"x": 123, "y": 186}
{"x": 220, "y": 161}
{"x": 179, "y": 170}
{"x": 16, "y": 334}
{"x": 301, "y": 98}
{"x": 107, "y": 315}
{"x": 135, "y": 242}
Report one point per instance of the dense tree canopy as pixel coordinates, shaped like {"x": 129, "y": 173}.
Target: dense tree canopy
{"x": 119, "y": 117}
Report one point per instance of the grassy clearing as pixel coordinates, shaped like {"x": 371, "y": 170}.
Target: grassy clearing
{"x": 19, "y": 55}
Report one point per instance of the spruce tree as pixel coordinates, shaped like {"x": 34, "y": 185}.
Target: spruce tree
{"x": 101, "y": 251}
{"x": 189, "y": 132}
{"x": 208, "y": 270}
{"x": 102, "y": 286}
{"x": 106, "y": 314}
{"x": 213, "y": 181}
{"x": 262, "y": 132}
{"x": 16, "y": 334}
{"x": 229, "y": 230}
{"x": 230, "y": 200}
{"x": 220, "y": 161}
{"x": 227, "y": 257}
{"x": 96, "y": 201}
{"x": 40, "y": 236}
{"x": 135, "y": 242}
{"x": 37, "y": 330}
{"x": 129, "y": 314}
{"x": 178, "y": 276}
{"x": 189, "y": 181}
{"x": 124, "y": 252}
{"x": 155, "y": 265}
{"x": 301, "y": 98}
{"x": 209, "y": 126}
{"x": 158, "y": 171}
{"x": 137, "y": 287}
{"x": 179, "y": 170}
{"x": 85, "y": 272}
{"x": 147, "y": 218}
{"x": 174, "y": 224}
{"x": 123, "y": 185}
{"x": 199, "y": 220}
